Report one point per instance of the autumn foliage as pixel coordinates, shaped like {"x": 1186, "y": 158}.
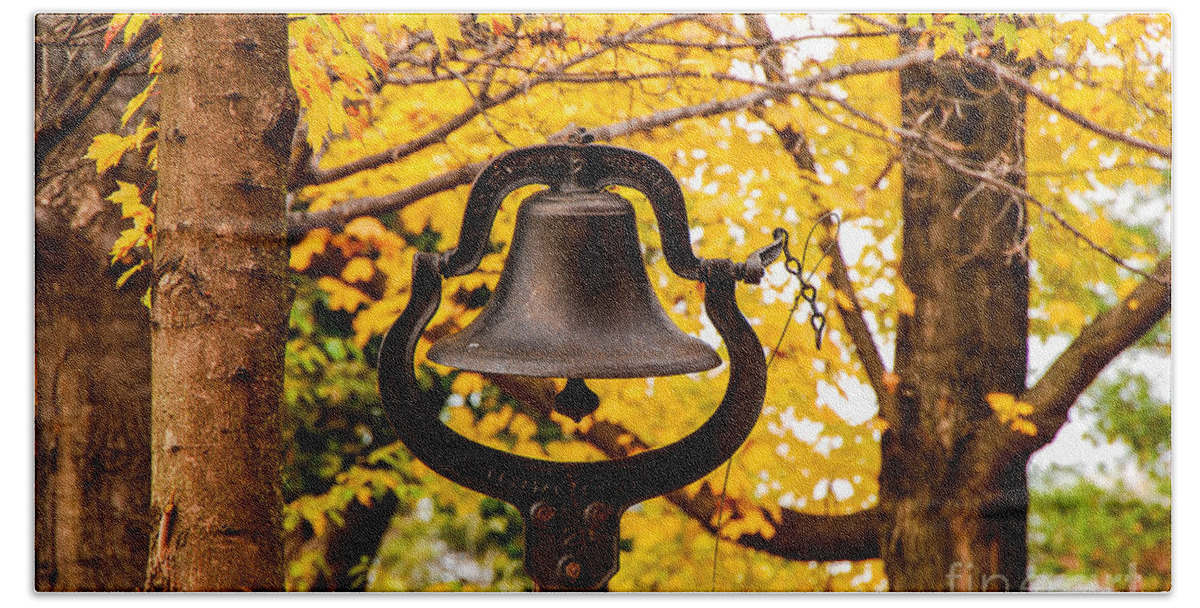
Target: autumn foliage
{"x": 398, "y": 113}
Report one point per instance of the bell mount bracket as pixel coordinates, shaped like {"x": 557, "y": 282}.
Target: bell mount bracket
{"x": 572, "y": 510}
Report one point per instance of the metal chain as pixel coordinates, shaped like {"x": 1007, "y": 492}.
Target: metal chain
{"x": 808, "y": 293}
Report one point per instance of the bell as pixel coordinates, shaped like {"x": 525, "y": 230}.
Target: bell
{"x": 574, "y": 300}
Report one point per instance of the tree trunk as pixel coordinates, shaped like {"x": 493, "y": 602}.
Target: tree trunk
{"x": 220, "y": 304}
{"x": 92, "y": 413}
{"x": 92, "y": 358}
{"x": 957, "y": 520}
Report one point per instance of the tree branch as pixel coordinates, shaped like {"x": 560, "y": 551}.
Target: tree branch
{"x": 88, "y": 92}
{"x": 1098, "y": 344}
{"x": 769, "y": 91}
{"x": 796, "y": 144}
{"x": 323, "y": 176}
{"x": 300, "y": 222}
{"x": 798, "y": 536}
{"x": 1015, "y": 79}
{"x": 943, "y": 152}
{"x": 860, "y": 333}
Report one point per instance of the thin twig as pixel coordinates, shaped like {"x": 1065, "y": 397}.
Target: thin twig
{"x": 1015, "y": 79}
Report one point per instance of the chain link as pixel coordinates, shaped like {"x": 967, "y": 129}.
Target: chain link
{"x": 808, "y": 291}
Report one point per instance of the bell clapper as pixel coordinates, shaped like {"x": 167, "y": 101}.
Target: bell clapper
{"x": 576, "y": 400}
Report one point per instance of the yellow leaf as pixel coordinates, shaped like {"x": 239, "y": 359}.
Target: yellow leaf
{"x": 588, "y": 28}
{"x": 137, "y": 101}
{"x": 568, "y": 425}
{"x": 529, "y": 449}
{"x": 1132, "y": 304}
{"x": 341, "y": 295}
{"x": 364, "y": 496}
{"x": 107, "y": 150}
{"x": 128, "y": 239}
{"x": 1010, "y": 411}
{"x": 460, "y": 418}
{"x": 365, "y": 229}
{"x": 523, "y": 427}
{"x": 358, "y": 269}
{"x": 144, "y": 130}
{"x": 134, "y": 25}
{"x": 1030, "y": 41}
{"x": 494, "y": 422}
{"x": 114, "y": 26}
{"x": 157, "y": 56}
{"x": 126, "y": 195}
{"x": 843, "y": 300}
{"x": 312, "y": 244}
{"x": 905, "y": 300}
{"x": 375, "y": 49}
{"x": 779, "y": 115}
{"x": 1025, "y": 427}
{"x": 129, "y": 273}
{"x": 467, "y": 383}
{"x": 1001, "y": 403}
{"x": 445, "y": 28}
{"x": 318, "y": 521}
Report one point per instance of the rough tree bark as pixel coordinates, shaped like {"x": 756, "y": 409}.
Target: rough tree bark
{"x": 92, "y": 413}
{"x": 220, "y": 304}
{"x": 953, "y": 526}
{"x": 92, "y": 360}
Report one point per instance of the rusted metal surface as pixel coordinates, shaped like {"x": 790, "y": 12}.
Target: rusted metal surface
{"x": 572, "y": 510}
{"x": 574, "y": 300}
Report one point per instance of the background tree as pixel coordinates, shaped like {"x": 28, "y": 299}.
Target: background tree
{"x": 763, "y": 129}
{"x": 92, "y": 414}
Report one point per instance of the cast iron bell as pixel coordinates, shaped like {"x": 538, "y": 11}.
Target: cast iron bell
{"x": 574, "y": 300}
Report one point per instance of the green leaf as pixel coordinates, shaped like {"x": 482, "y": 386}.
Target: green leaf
{"x": 964, "y": 24}
{"x": 1008, "y": 33}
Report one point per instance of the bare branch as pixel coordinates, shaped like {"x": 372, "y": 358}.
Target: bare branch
{"x": 68, "y": 114}
{"x": 956, "y": 164}
{"x": 796, "y": 143}
{"x": 644, "y": 123}
{"x": 1072, "y": 70}
{"x": 300, "y": 222}
{"x": 1015, "y": 79}
{"x": 322, "y": 176}
{"x": 1099, "y": 343}
{"x": 798, "y": 535}
{"x": 769, "y": 91}
{"x": 756, "y": 43}
{"x": 860, "y": 334}
{"x": 942, "y": 151}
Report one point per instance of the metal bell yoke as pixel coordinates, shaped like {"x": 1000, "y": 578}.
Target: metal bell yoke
{"x": 574, "y": 301}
